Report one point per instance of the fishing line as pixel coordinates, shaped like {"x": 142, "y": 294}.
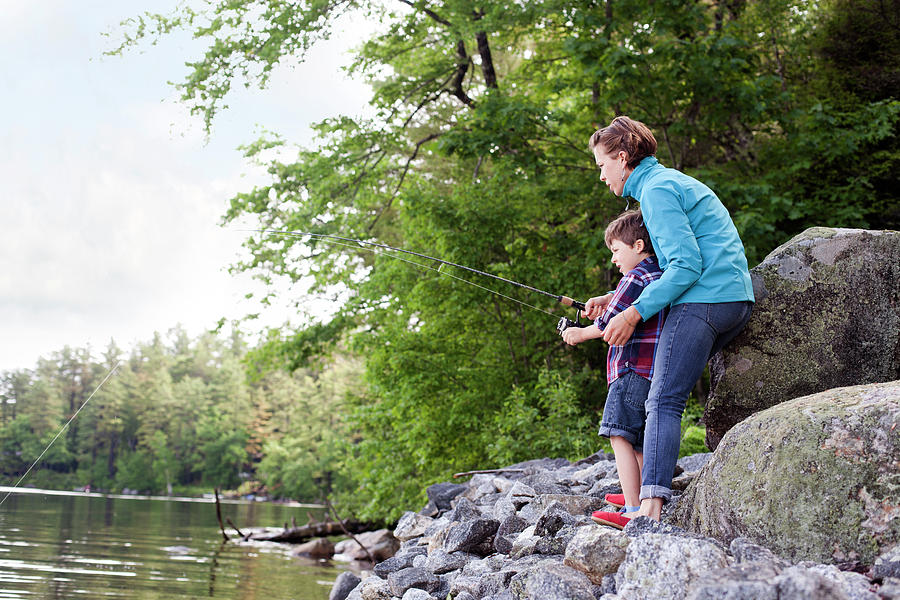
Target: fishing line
{"x": 430, "y": 268}
{"x": 59, "y": 433}
{"x": 361, "y": 243}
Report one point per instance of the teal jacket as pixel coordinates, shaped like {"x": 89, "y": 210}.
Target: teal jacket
{"x": 695, "y": 240}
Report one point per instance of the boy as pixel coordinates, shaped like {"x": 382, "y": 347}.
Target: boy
{"x": 629, "y": 368}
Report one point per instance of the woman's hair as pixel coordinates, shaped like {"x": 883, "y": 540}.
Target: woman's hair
{"x": 629, "y": 228}
{"x": 626, "y": 134}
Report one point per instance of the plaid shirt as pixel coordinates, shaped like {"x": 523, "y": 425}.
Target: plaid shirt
{"x": 637, "y": 353}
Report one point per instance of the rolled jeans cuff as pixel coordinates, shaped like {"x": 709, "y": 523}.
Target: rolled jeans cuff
{"x": 656, "y": 491}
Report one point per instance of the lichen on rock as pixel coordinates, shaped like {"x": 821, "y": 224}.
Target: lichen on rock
{"x": 827, "y": 315}
{"x": 816, "y": 478}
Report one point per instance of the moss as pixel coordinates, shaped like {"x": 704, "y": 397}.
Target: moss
{"x": 814, "y": 333}
{"x": 804, "y": 478}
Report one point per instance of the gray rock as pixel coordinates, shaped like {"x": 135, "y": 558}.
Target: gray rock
{"x": 524, "y": 543}
{"x": 608, "y": 585}
{"x": 744, "y": 581}
{"x": 830, "y": 457}
{"x": 744, "y": 550}
{"x": 471, "y": 536}
{"x": 442, "y": 493}
{"x": 504, "y": 595}
{"x": 465, "y": 584}
{"x": 694, "y": 462}
{"x": 889, "y": 589}
{"x": 396, "y": 563}
{"x": 663, "y": 566}
{"x": 592, "y": 473}
{"x": 521, "y": 494}
{"x": 550, "y": 580}
{"x": 374, "y": 588}
{"x": 316, "y": 548}
{"x": 464, "y": 596}
{"x": 573, "y": 504}
{"x": 811, "y": 330}
{"x": 381, "y": 545}
{"x": 504, "y": 509}
{"x": 440, "y": 561}
{"x": 413, "y": 577}
{"x": 800, "y": 582}
{"x": 557, "y": 543}
{"x": 639, "y": 526}
{"x": 554, "y": 518}
{"x": 491, "y": 584}
{"x": 464, "y": 510}
{"x": 480, "y": 566}
{"x": 610, "y": 485}
{"x": 597, "y": 552}
{"x": 417, "y": 594}
{"x": 411, "y": 525}
{"x": 542, "y": 464}
{"x": 343, "y": 585}
{"x": 507, "y": 533}
{"x": 888, "y": 564}
{"x": 854, "y": 585}
{"x": 596, "y": 457}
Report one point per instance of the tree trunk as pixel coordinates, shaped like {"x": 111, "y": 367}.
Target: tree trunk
{"x": 487, "y": 63}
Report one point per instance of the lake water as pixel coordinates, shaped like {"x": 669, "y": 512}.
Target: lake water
{"x": 91, "y": 546}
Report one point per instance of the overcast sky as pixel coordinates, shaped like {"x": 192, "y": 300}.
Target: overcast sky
{"x": 110, "y": 194}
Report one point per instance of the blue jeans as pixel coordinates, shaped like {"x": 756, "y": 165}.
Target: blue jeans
{"x": 691, "y": 334}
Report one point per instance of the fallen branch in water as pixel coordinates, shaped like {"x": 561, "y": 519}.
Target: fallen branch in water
{"x": 219, "y": 514}
{"x": 341, "y": 521}
{"x": 294, "y": 535}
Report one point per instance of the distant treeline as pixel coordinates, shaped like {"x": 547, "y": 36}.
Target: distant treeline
{"x": 177, "y": 413}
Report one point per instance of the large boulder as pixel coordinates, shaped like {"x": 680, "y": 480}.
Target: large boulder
{"x": 827, "y": 315}
{"x": 816, "y": 478}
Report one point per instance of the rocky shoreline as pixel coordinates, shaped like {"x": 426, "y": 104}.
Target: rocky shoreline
{"x": 525, "y": 533}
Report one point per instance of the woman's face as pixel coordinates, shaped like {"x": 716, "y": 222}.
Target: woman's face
{"x": 613, "y": 171}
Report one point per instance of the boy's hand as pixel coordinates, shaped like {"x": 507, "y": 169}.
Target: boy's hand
{"x": 621, "y": 326}
{"x": 574, "y": 335}
{"x": 594, "y": 306}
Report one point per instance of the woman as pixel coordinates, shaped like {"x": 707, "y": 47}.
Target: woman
{"x": 705, "y": 281}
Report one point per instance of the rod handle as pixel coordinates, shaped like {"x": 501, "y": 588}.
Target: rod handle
{"x": 573, "y": 303}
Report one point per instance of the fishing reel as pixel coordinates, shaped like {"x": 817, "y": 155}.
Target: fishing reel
{"x": 565, "y": 323}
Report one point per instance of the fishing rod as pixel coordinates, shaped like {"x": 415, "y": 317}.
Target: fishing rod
{"x": 564, "y": 323}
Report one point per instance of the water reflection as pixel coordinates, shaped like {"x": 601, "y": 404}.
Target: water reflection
{"x": 85, "y": 545}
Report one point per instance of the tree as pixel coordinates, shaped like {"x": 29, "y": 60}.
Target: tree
{"x": 477, "y": 154}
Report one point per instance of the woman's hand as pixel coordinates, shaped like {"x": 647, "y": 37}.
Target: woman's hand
{"x": 621, "y": 326}
{"x": 594, "y": 306}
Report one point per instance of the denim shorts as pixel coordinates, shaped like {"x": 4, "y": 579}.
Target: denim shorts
{"x": 624, "y": 414}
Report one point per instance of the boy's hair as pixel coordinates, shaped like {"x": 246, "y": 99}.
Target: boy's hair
{"x": 629, "y": 228}
{"x": 624, "y": 133}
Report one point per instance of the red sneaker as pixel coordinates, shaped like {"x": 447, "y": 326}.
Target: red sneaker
{"x": 613, "y": 519}
{"x": 617, "y": 500}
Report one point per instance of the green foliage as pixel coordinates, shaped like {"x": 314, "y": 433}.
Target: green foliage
{"x": 177, "y": 414}
{"x": 544, "y": 420}
{"x": 476, "y": 152}
{"x": 693, "y": 441}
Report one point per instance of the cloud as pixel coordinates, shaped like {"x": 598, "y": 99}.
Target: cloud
{"x": 111, "y": 190}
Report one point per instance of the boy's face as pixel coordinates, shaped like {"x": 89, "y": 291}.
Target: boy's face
{"x": 627, "y": 257}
